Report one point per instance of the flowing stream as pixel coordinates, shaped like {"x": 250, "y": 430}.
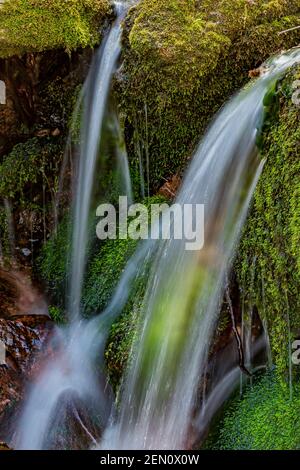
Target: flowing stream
{"x": 158, "y": 398}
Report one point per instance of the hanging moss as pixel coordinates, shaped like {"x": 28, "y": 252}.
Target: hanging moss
{"x": 182, "y": 59}
{"x": 38, "y": 25}
{"x": 265, "y": 418}
{"x": 53, "y": 265}
{"x": 27, "y": 165}
{"x": 269, "y": 254}
{"x": 28, "y": 184}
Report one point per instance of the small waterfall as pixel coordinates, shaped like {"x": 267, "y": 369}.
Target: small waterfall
{"x": 185, "y": 288}
{"x": 184, "y": 291}
{"x": 122, "y": 160}
{"x": 97, "y": 90}
{"x": 71, "y": 370}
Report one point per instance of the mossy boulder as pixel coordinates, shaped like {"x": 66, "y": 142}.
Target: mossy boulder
{"x": 182, "y": 59}
{"x": 268, "y": 265}
{"x": 265, "y": 418}
{"x": 38, "y": 25}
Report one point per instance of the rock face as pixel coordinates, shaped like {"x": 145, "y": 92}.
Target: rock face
{"x": 38, "y": 93}
{"x": 41, "y": 90}
{"x": 22, "y": 338}
{"x": 24, "y": 328}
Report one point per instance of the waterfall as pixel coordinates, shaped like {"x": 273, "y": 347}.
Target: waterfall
{"x": 97, "y": 89}
{"x": 184, "y": 289}
{"x": 71, "y": 370}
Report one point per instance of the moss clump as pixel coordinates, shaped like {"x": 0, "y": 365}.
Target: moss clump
{"x": 37, "y": 25}
{"x": 106, "y": 266}
{"x": 265, "y": 418}
{"x": 269, "y": 254}
{"x": 182, "y": 59}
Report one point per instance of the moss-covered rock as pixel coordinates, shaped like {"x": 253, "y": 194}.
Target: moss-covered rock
{"x": 38, "y": 25}
{"x": 28, "y": 185}
{"x": 265, "y": 418}
{"x": 268, "y": 265}
{"x": 182, "y": 59}
{"x": 104, "y": 273}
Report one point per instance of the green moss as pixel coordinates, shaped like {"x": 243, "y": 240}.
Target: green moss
{"x": 120, "y": 342}
{"x": 28, "y": 165}
{"x": 106, "y": 266}
{"x": 56, "y": 314}
{"x": 4, "y": 235}
{"x": 268, "y": 265}
{"x": 104, "y": 273}
{"x": 53, "y": 265}
{"x": 37, "y": 25}
{"x": 265, "y": 418}
{"x": 182, "y": 59}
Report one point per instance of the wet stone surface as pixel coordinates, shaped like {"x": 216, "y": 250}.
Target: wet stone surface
{"x": 22, "y": 338}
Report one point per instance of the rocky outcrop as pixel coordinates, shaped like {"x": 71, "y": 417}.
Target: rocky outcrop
{"x": 24, "y": 329}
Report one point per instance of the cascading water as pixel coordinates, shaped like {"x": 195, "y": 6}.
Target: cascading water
{"x": 97, "y": 91}
{"x": 71, "y": 370}
{"x": 184, "y": 290}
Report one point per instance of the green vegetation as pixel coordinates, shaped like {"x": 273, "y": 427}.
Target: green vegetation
{"x": 104, "y": 272}
{"x": 269, "y": 255}
{"x": 120, "y": 341}
{"x": 265, "y": 418}
{"x": 182, "y": 60}
{"x": 53, "y": 265}
{"x": 27, "y": 166}
{"x": 38, "y": 25}
{"x": 28, "y": 185}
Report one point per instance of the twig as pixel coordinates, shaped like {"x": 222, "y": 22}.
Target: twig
{"x": 288, "y": 30}
{"x": 237, "y": 336}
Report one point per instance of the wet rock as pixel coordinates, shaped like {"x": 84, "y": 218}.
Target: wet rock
{"x": 18, "y": 297}
{"x": 31, "y": 105}
{"x": 21, "y": 339}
